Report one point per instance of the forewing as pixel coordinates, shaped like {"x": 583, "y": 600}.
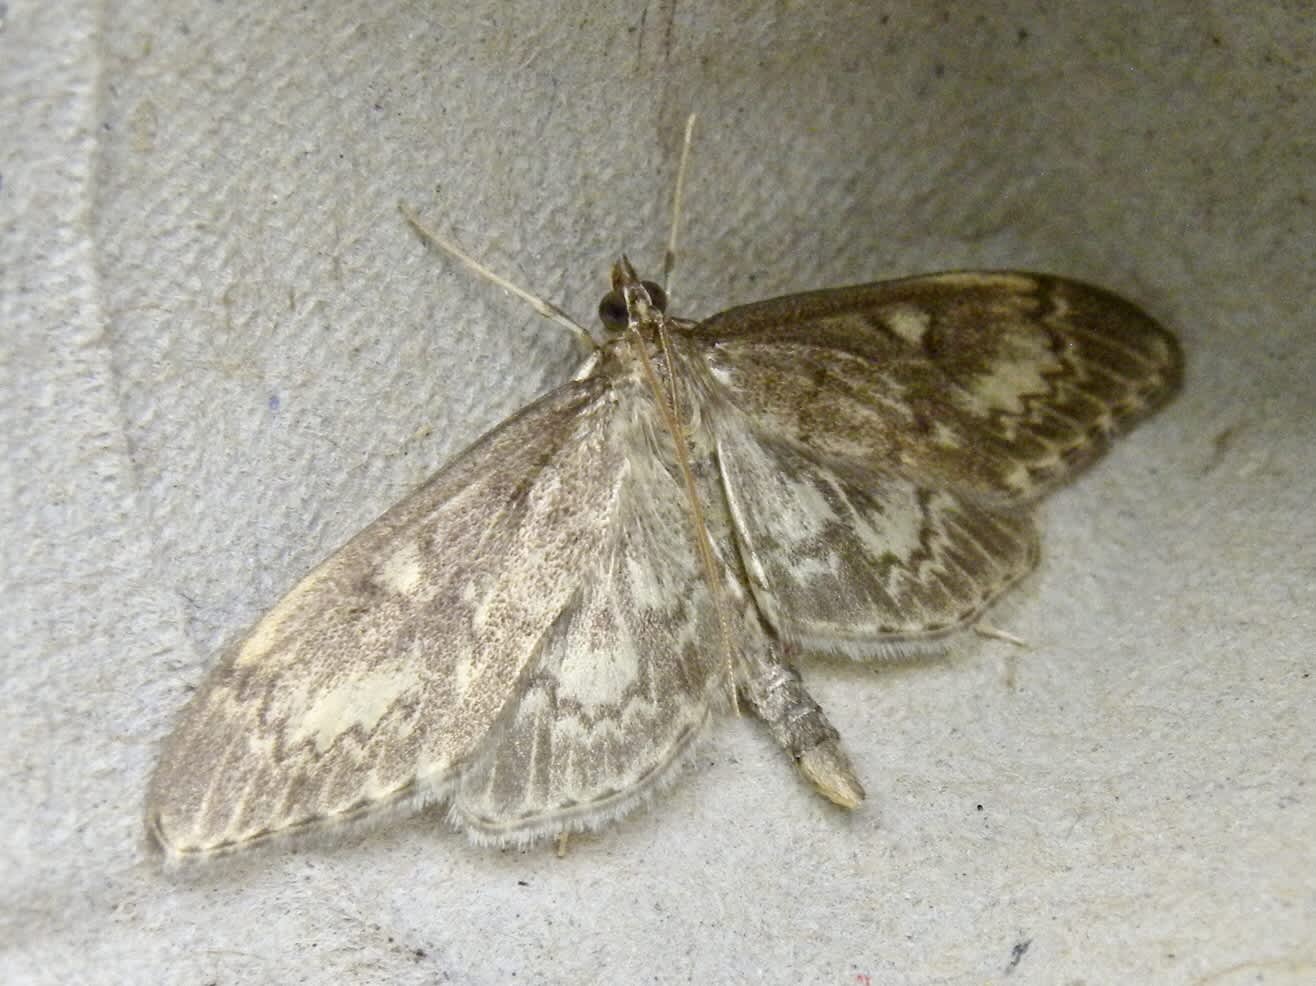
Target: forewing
{"x": 995, "y": 384}
{"x": 624, "y": 682}
{"x": 866, "y": 564}
{"x": 372, "y": 682}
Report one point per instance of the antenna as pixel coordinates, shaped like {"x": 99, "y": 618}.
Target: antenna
{"x": 669, "y": 258}
{"x": 545, "y": 308}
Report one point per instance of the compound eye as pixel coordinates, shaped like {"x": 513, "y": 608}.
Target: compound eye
{"x": 657, "y": 296}
{"x": 612, "y": 312}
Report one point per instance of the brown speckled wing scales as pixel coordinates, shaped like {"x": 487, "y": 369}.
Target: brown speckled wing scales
{"x": 624, "y": 682}
{"x": 375, "y": 680}
{"x": 999, "y": 384}
{"x": 865, "y": 563}
{"x": 881, "y": 444}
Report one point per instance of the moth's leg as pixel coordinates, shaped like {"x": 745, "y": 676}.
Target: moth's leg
{"x": 996, "y": 633}
{"x": 776, "y": 693}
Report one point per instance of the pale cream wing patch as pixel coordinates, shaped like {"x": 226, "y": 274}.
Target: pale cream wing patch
{"x": 376, "y": 677}
{"x": 863, "y": 563}
{"x": 623, "y": 683}
{"x": 1000, "y": 384}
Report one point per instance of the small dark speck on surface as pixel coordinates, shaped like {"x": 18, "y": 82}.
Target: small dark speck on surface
{"x": 1018, "y": 952}
{"x": 274, "y": 402}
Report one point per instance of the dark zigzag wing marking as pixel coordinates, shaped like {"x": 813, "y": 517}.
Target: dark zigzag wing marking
{"x": 1000, "y": 384}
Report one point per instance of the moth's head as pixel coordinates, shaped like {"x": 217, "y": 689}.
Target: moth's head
{"x": 631, "y": 301}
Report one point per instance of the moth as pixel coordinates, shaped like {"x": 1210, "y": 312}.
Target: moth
{"x": 540, "y": 634}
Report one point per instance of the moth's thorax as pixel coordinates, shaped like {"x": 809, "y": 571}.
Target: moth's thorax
{"x": 658, "y": 340}
{"x": 657, "y": 374}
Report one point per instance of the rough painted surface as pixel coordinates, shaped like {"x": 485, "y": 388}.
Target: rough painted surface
{"x": 224, "y": 353}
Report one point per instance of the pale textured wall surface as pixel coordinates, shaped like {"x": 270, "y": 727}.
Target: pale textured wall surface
{"x": 222, "y": 353}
